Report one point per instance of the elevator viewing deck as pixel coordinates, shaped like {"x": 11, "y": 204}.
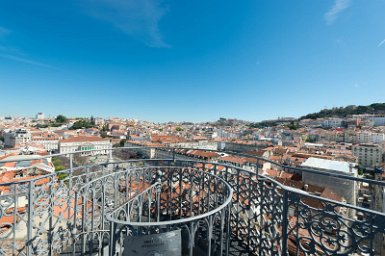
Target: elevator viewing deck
{"x": 159, "y": 201}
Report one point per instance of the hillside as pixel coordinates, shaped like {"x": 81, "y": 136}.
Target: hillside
{"x": 375, "y": 108}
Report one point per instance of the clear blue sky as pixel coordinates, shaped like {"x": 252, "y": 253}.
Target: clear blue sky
{"x": 190, "y": 60}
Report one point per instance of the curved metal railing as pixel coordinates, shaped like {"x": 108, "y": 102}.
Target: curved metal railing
{"x": 43, "y": 215}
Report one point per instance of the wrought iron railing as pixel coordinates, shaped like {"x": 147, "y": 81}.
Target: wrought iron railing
{"x": 78, "y": 213}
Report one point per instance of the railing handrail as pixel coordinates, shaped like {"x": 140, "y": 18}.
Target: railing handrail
{"x": 18, "y": 182}
{"x": 172, "y": 150}
{"x": 257, "y": 175}
{"x": 189, "y": 219}
{"x": 291, "y": 196}
{"x": 172, "y": 222}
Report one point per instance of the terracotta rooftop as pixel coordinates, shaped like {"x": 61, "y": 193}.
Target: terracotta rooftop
{"x": 83, "y": 139}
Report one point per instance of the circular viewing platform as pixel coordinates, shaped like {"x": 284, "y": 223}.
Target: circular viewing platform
{"x": 157, "y": 201}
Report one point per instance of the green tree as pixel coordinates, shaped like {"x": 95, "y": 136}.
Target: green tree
{"x": 122, "y": 142}
{"x": 82, "y": 123}
{"x": 61, "y": 119}
{"x": 59, "y": 167}
{"x": 293, "y": 126}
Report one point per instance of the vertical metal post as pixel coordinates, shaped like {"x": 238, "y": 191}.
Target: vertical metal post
{"x": 209, "y": 192}
{"x": 15, "y": 194}
{"x": 116, "y": 189}
{"x": 228, "y": 229}
{"x": 71, "y": 163}
{"x": 74, "y": 231}
{"x": 210, "y": 236}
{"x": 84, "y": 216}
{"x": 50, "y": 214}
{"x": 180, "y": 192}
{"x": 222, "y": 230}
{"x": 70, "y": 191}
{"x": 257, "y": 169}
{"x": 91, "y": 241}
{"x": 173, "y": 155}
{"x": 191, "y": 193}
{"x": 285, "y": 222}
{"x": 249, "y": 208}
{"x": 158, "y": 193}
{"x": 237, "y": 222}
{"x": 112, "y": 239}
{"x": 261, "y": 185}
{"x": 192, "y": 238}
{"x": 30, "y": 217}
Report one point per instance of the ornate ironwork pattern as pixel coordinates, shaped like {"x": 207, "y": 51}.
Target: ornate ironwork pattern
{"x": 328, "y": 228}
{"x": 96, "y": 205}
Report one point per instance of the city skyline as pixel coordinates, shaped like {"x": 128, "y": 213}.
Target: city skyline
{"x": 252, "y": 127}
{"x": 375, "y": 111}
{"x": 172, "y": 61}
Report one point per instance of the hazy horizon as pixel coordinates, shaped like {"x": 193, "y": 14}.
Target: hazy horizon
{"x": 194, "y": 61}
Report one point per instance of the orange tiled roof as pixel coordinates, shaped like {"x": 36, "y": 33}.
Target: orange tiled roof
{"x": 83, "y": 139}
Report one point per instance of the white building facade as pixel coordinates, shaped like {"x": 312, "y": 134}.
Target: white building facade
{"x": 377, "y": 120}
{"x": 81, "y": 143}
{"x": 370, "y": 137}
{"x": 332, "y": 123}
{"x": 368, "y": 155}
{"x": 20, "y": 137}
{"x": 343, "y": 187}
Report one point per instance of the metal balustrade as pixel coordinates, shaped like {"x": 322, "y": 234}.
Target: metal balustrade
{"x": 220, "y": 209}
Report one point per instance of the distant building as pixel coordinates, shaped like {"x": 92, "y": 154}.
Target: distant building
{"x": 40, "y": 116}
{"x": 377, "y": 120}
{"x": 80, "y": 143}
{"x": 96, "y": 120}
{"x": 18, "y": 137}
{"x": 242, "y": 146}
{"x": 50, "y": 141}
{"x": 343, "y": 187}
{"x": 370, "y": 137}
{"x": 369, "y": 155}
{"x": 332, "y": 123}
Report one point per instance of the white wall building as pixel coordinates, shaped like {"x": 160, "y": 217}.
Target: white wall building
{"x": 343, "y": 187}
{"x": 368, "y": 155}
{"x": 370, "y": 137}
{"x": 40, "y": 116}
{"x": 332, "y": 122}
{"x": 203, "y": 144}
{"x": 80, "y": 143}
{"x": 377, "y": 120}
{"x": 18, "y": 137}
{"x": 50, "y": 144}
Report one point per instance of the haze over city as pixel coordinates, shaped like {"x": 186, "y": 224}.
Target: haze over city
{"x": 190, "y": 60}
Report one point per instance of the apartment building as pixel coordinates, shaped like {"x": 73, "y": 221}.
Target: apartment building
{"x": 369, "y": 155}
{"x": 370, "y": 137}
{"x": 50, "y": 141}
{"x": 19, "y": 137}
{"x": 332, "y": 122}
{"x": 377, "y": 120}
{"x": 80, "y": 143}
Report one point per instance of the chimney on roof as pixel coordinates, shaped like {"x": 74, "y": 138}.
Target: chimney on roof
{"x": 306, "y": 187}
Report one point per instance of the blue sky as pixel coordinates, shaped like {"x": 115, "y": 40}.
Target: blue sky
{"x": 190, "y": 60}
